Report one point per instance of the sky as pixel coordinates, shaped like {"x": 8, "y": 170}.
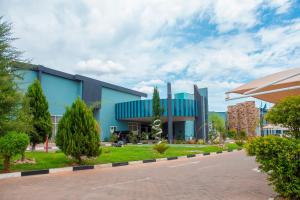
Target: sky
{"x": 219, "y": 44}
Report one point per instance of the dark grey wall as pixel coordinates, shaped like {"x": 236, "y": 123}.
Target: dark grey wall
{"x": 170, "y": 115}
{"x": 201, "y": 120}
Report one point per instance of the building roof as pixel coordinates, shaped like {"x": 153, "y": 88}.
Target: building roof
{"x": 272, "y": 88}
{"x": 77, "y": 77}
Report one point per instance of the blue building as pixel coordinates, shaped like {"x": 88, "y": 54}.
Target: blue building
{"x": 119, "y": 108}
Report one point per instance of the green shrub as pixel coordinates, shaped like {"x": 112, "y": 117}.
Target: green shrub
{"x": 78, "y": 133}
{"x": 201, "y": 141}
{"x": 231, "y": 134}
{"x": 242, "y": 135}
{"x": 145, "y": 136}
{"x": 11, "y": 144}
{"x": 239, "y": 143}
{"x": 133, "y": 138}
{"x": 179, "y": 142}
{"x": 113, "y": 138}
{"x": 161, "y": 147}
{"x": 280, "y": 159}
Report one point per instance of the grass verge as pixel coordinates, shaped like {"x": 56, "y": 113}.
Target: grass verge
{"x": 112, "y": 154}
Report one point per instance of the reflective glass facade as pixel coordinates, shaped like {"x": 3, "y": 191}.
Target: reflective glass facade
{"x": 143, "y": 108}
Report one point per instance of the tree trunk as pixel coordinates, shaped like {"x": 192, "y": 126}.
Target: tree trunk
{"x": 23, "y": 156}
{"x": 33, "y": 147}
{"x": 79, "y": 159}
{"x": 6, "y": 163}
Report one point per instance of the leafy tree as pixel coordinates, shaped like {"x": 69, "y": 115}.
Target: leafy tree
{"x": 287, "y": 113}
{"x": 217, "y": 127}
{"x": 78, "y": 132}
{"x": 11, "y": 144}
{"x": 41, "y": 117}
{"x": 10, "y": 97}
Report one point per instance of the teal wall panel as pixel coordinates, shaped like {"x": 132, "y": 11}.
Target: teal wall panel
{"x": 107, "y": 113}
{"x": 60, "y": 92}
{"x": 183, "y": 95}
{"x": 28, "y": 76}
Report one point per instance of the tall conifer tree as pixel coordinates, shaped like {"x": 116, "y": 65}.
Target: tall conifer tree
{"x": 42, "y": 125}
{"x": 156, "y": 109}
{"x": 78, "y": 132}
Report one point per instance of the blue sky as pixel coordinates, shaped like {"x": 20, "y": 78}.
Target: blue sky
{"x": 218, "y": 44}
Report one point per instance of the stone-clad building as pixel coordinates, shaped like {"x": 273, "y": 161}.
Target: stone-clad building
{"x": 243, "y": 117}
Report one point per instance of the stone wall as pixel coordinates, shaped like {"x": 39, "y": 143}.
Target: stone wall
{"x": 243, "y": 116}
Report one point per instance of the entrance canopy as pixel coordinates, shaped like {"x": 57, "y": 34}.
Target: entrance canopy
{"x": 271, "y": 88}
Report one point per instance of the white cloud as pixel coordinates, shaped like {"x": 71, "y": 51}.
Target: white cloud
{"x": 229, "y": 14}
{"x": 138, "y": 44}
{"x": 145, "y": 88}
{"x": 281, "y": 6}
{"x": 99, "y": 67}
{"x": 154, "y": 82}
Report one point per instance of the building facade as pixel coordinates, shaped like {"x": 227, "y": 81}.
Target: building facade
{"x": 243, "y": 117}
{"x": 121, "y": 109}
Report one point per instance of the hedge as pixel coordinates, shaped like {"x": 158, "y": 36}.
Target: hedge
{"x": 280, "y": 159}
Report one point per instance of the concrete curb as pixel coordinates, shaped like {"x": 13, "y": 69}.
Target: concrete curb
{"x": 107, "y": 165}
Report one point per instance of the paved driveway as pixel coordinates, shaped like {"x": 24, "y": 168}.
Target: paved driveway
{"x": 224, "y": 176}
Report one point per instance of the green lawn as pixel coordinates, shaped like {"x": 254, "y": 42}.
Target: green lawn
{"x": 111, "y": 155}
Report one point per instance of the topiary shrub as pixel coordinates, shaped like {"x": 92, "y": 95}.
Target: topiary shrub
{"x": 161, "y": 147}
{"x": 280, "y": 159}
{"x": 11, "y": 144}
{"x": 78, "y": 133}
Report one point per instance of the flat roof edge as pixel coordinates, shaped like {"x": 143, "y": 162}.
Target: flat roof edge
{"x": 77, "y": 77}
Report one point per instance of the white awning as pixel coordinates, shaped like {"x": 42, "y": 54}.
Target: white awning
{"x": 271, "y": 88}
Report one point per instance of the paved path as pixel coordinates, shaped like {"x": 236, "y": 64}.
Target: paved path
{"x": 225, "y": 176}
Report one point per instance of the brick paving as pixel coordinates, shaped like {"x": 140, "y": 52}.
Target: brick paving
{"x": 223, "y": 176}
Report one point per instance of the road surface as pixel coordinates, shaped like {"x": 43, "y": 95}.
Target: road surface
{"x": 223, "y": 176}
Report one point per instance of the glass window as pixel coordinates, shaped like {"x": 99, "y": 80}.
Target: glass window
{"x": 55, "y": 120}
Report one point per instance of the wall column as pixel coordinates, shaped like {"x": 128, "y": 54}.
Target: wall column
{"x": 170, "y": 115}
{"x": 39, "y": 75}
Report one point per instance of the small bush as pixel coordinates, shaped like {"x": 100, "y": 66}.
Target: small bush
{"x": 113, "y": 138}
{"x": 11, "y": 144}
{"x": 216, "y": 141}
{"x": 191, "y": 142}
{"x": 201, "y": 141}
{"x": 133, "y": 138}
{"x": 242, "y": 135}
{"x": 239, "y": 143}
{"x": 231, "y": 133}
{"x": 280, "y": 159}
{"x": 161, "y": 147}
{"x": 145, "y": 135}
{"x": 179, "y": 142}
